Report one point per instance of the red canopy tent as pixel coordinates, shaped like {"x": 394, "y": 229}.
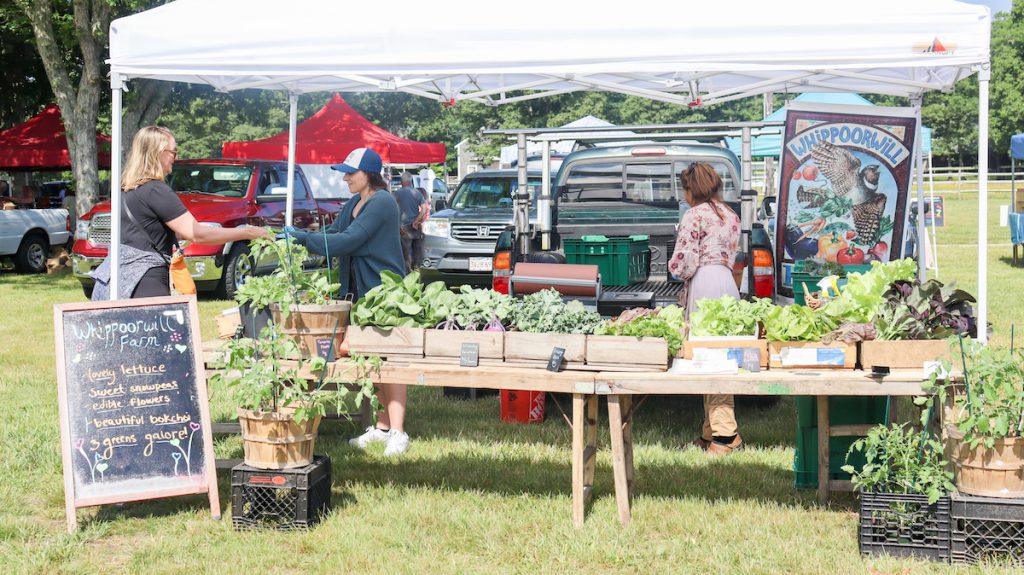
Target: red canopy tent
{"x": 41, "y": 144}
{"x": 330, "y": 134}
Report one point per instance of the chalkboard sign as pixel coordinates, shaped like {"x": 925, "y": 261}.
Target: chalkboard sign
{"x": 134, "y": 413}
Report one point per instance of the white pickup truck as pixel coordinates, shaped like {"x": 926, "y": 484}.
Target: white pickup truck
{"x": 26, "y": 236}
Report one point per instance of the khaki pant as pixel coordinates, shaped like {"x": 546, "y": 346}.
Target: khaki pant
{"x": 719, "y": 417}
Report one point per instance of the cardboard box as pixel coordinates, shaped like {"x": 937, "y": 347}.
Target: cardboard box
{"x": 903, "y": 354}
{"x": 611, "y": 351}
{"x": 724, "y": 346}
{"x": 448, "y": 343}
{"x": 397, "y": 341}
{"x": 811, "y": 354}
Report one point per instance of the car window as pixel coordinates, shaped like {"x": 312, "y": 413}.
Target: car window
{"x": 278, "y": 178}
{"x": 491, "y": 192}
{"x": 594, "y": 182}
{"x": 220, "y": 180}
{"x": 729, "y": 193}
{"x": 650, "y": 183}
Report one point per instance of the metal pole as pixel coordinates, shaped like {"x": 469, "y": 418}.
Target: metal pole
{"x": 544, "y": 203}
{"x": 922, "y": 233}
{"x": 747, "y": 197}
{"x": 116, "y": 86}
{"x": 984, "y": 75}
{"x": 293, "y": 105}
{"x": 522, "y": 201}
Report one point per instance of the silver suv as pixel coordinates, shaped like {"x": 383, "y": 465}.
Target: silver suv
{"x": 458, "y": 242}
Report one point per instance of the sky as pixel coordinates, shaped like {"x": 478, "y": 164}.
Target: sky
{"x": 995, "y": 5}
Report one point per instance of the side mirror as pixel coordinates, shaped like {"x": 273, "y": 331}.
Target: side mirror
{"x": 439, "y": 205}
{"x": 768, "y": 206}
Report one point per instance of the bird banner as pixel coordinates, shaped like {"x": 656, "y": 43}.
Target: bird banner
{"x": 844, "y": 185}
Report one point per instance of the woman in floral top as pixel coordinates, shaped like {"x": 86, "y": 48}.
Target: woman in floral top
{"x": 706, "y": 243}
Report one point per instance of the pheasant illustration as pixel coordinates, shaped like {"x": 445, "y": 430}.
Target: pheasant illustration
{"x": 859, "y": 185}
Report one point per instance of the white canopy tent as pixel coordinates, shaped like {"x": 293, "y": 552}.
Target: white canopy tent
{"x": 687, "y": 53}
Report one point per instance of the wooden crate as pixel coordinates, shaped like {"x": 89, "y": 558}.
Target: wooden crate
{"x": 447, "y": 343}
{"x": 533, "y": 348}
{"x": 227, "y": 324}
{"x": 399, "y": 341}
{"x": 802, "y": 354}
{"x": 627, "y": 352}
{"x": 724, "y": 343}
{"x": 902, "y": 354}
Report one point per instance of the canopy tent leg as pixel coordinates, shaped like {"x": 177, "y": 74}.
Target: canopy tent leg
{"x": 984, "y": 75}
{"x": 293, "y": 105}
{"x": 922, "y": 233}
{"x": 544, "y": 202}
{"x": 521, "y": 219}
{"x": 931, "y": 196}
{"x": 116, "y": 90}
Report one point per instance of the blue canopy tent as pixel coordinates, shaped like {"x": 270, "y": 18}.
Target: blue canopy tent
{"x": 1016, "y": 151}
{"x": 770, "y": 145}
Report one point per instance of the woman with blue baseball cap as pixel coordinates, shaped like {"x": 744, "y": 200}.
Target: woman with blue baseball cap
{"x": 365, "y": 237}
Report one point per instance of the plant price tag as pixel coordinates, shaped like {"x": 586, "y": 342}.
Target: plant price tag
{"x": 470, "y": 354}
{"x": 557, "y": 359}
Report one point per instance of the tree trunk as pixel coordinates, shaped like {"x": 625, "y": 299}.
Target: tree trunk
{"x": 143, "y": 106}
{"x": 80, "y": 108}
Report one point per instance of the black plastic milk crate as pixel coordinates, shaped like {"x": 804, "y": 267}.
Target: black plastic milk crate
{"x": 987, "y": 528}
{"x": 904, "y": 526}
{"x": 282, "y": 499}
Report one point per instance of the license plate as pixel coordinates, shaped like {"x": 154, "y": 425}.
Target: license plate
{"x": 480, "y": 264}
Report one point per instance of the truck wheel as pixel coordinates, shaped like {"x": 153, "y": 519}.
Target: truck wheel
{"x": 236, "y": 267}
{"x": 31, "y": 256}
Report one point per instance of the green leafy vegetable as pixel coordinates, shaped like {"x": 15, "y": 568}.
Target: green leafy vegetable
{"x": 864, "y": 293}
{"x": 931, "y": 310}
{"x": 728, "y": 316}
{"x": 796, "y": 323}
{"x": 545, "y": 312}
{"x": 404, "y": 302}
{"x": 667, "y": 323}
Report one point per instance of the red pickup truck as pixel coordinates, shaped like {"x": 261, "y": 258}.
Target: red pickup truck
{"x": 226, "y": 193}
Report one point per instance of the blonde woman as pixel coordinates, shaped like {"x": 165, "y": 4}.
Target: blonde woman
{"x": 153, "y": 218}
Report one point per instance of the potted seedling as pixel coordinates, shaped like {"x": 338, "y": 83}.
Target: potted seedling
{"x": 985, "y": 420}
{"x": 280, "y": 404}
{"x": 300, "y": 302}
{"x": 904, "y": 487}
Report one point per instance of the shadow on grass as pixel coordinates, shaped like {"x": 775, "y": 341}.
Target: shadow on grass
{"x": 1008, "y": 260}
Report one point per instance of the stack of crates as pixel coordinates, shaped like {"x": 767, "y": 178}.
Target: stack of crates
{"x": 842, "y": 411}
{"x": 621, "y": 260}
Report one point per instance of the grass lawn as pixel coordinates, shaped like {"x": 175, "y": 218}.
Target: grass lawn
{"x": 472, "y": 495}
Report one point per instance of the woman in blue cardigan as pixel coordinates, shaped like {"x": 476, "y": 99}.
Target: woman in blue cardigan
{"x": 366, "y": 239}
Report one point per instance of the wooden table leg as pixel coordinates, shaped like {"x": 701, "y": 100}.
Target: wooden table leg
{"x": 627, "y": 442}
{"x": 824, "y": 436}
{"x": 584, "y": 453}
{"x": 616, "y": 405}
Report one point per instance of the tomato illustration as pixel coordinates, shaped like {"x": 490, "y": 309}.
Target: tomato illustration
{"x": 796, "y": 175}
{"x": 851, "y": 255}
{"x": 810, "y": 172}
{"x": 879, "y": 250}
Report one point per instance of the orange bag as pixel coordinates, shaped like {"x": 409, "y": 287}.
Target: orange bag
{"x": 181, "y": 278}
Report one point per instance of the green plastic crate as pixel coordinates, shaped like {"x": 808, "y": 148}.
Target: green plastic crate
{"x": 842, "y": 411}
{"x": 800, "y": 278}
{"x": 621, "y": 260}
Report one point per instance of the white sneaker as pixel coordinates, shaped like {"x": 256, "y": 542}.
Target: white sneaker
{"x": 397, "y": 443}
{"x": 371, "y": 435}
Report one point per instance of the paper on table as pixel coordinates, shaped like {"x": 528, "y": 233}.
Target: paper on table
{"x": 704, "y": 367}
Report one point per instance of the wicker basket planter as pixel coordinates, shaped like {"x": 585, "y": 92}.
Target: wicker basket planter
{"x": 273, "y": 440}
{"x": 995, "y": 472}
{"x": 317, "y": 329}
